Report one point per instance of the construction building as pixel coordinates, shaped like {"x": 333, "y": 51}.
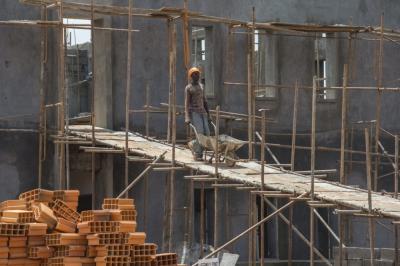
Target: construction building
{"x": 311, "y": 88}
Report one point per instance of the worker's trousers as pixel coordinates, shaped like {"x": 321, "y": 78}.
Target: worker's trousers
{"x": 200, "y": 122}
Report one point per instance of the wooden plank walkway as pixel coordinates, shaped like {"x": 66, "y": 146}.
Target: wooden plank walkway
{"x": 248, "y": 173}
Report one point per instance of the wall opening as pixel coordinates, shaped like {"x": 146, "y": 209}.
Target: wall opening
{"x": 78, "y": 67}
{"x": 325, "y": 65}
{"x": 202, "y": 57}
{"x": 265, "y": 65}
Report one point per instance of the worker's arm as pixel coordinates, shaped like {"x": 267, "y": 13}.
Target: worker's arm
{"x": 187, "y": 102}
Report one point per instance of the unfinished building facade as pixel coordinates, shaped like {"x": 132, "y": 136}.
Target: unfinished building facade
{"x": 326, "y": 73}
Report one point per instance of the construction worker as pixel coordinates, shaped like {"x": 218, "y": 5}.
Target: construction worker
{"x": 196, "y": 110}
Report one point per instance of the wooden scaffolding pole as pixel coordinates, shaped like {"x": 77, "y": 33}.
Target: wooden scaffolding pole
{"x": 369, "y": 186}
{"x": 169, "y": 125}
{"x": 128, "y": 96}
{"x": 292, "y": 165}
{"x": 396, "y": 164}
{"x": 290, "y": 237}
{"x": 61, "y": 96}
{"x": 262, "y": 207}
{"x": 342, "y": 176}
{"x": 147, "y": 117}
{"x": 250, "y": 132}
{"x": 250, "y": 222}
{"x": 190, "y": 211}
{"x": 396, "y": 244}
{"x": 313, "y": 129}
{"x": 93, "y": 116}
{"x": 42, "y": 96}
{"x": 217, "y": 155}
{"x": 186, "y": 41}
{"x": 253, "y": 81}
{"x": 343, "y": 125}
{"x": 202, "y": 220}
{"x": 294, "y": 125}
{"x": 66, "y": 115}
{"x": 172, "y": 84}
{"x": 378, "y": 105}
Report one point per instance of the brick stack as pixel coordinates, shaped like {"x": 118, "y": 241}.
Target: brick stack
{"x": 43, "y": 228}
{"x": 112, "y": 235}
{"x": 23, "y": 227}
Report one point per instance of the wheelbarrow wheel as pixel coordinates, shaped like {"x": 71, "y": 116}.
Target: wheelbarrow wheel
{"x": 230, "y": 159}
{"x": 229, "y": 162}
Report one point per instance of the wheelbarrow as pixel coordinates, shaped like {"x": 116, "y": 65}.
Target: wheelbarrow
{"x": 227, "y": 146}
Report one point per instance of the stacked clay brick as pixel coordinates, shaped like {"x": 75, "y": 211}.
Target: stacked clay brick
{"x": 113, "y": 240}
{"x": 25, "y": 222}
{"x": 44, "y": 228}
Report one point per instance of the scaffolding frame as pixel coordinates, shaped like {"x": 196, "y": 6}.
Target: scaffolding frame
{"x": 64, "y": 139}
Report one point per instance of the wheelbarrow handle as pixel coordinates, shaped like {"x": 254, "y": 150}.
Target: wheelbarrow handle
{"x": 194, "y": 129}
{"x": 214, "y": 126}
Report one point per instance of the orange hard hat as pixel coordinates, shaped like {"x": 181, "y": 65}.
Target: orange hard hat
{"x": 193, "y": 70}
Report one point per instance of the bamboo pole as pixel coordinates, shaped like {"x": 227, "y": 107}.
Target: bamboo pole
{"x": 250, "y": 229}
{"x": 378, "y": 106}
{"x": 351, "y": 148}
{"x": 341, "y": 237}
{"x": 343, "y": 125}
{"x": 61, "y": 97}
{"x": 294, "y": 125}
{"x": 281, "y": 86}
{"x": 217, "y": 142}
{"x": 128, "y": 95}
{"x": 396, "y": 244}
{"x": 216, "y": 231}
{"x": 66, "y": 115}
{"x": 43, "y": 61}
{"x": 313, "y": 128}
{"x": 254, "y": 233}
{"x": 227, "y": 215}
{"x": 262, "y": 152}
{"x": 169, "y": 125}
{"x": 250, "y": 222}
{"x": 290, "y": 237}
{"x": 147, "y": 118}
{"x": 312, "y": 246}
{"x": 249, "y": 98}
{"x": 396, "y": 189}
{"x": 172, "y": 76}
{"x": 342, "y": 176}
{"x": 396, "y": 164}
{"x": 253, "y": 81}
{"x": 145, "y": 200}
{"x": 93, "y": 118}
{"x": 202, "y": 220}
{"x": 327, "y": 149}
{"x": 186, "y": 41}
{"x": 190, "y": 218}
{"x": 369, "y": 185}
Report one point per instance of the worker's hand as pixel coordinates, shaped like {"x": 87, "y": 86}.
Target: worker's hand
{"x": 187, "y": 121}
{"x": 209, "y": 118}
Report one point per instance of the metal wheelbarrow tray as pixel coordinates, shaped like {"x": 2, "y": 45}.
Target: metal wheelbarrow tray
{"x": 227, "y": 146}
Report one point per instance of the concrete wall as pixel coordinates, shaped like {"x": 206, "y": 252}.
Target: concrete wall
{"x": 19, "y": 100}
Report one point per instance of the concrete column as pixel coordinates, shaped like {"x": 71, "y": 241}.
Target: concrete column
{"x": 103, "y": 75}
